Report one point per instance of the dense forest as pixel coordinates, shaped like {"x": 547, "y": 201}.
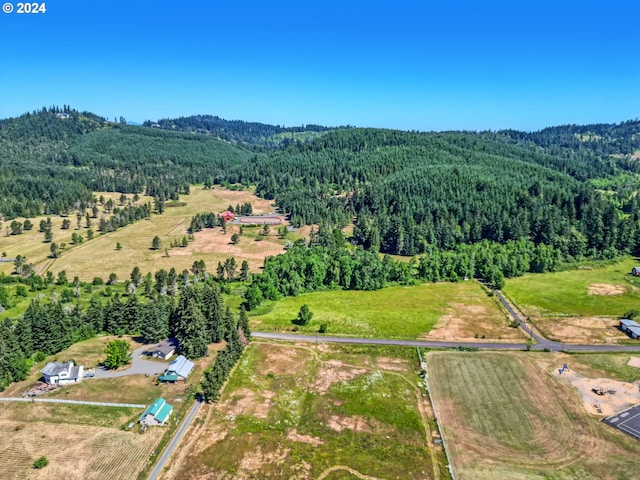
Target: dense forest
{"x": 249, "y": 134}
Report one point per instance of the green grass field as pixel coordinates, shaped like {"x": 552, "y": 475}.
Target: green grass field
{"x": 567, "y": 293}
{"x": 504, "y": 416}
{"x": 291, "y": 412}
{"x": 395, "y": 312}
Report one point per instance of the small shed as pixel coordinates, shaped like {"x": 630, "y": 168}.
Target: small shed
{"x": 157, "y": 413}
{"x": 634, "y": 331}
{"x": 635, "y": 271}
{"x": 168, "y": 378}
{"x": 180, "y": 367}
{"x": 625, "y": 323}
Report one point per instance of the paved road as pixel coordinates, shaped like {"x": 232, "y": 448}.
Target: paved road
{"x": 553, "y": 346}
{"x": 139, "y": 366}
{"x": 174, "y": 441}
{"x": 73, "y": 402}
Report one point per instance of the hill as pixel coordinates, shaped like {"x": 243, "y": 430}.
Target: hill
{"x": 52, "y": 161}
{"x": 241, "y": 132}
{"x": 407, "y": 191}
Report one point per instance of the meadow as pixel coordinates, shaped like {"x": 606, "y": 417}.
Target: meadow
{"x": 439, "y": 311}
{"x": 506, "y": 416}
{"x": 290, "y": 411}
{"x": 581, "y": 305}
{"x": 99, "y": 257}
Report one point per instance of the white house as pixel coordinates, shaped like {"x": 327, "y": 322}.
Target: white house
{"x": 62, "y": 373}
{"x": 181, "y": 367}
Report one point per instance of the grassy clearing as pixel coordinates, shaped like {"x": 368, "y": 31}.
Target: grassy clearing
{"x": 80, "y": 442}
{"x": 292, "y": 411}
{"x": 99, "y": 256}
{"x": 506, "y": 416}
{"x": 395, "y": 312}
{"x": 579, "y": 306}
{"x": 567, "y": 293}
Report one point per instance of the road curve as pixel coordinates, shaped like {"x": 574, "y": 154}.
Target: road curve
{"x": 174, "y": 441}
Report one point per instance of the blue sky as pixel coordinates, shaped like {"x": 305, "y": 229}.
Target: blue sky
{"x": 423, "y": 65}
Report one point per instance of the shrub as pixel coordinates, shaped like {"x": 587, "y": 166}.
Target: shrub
{"x": 41, "y": 463}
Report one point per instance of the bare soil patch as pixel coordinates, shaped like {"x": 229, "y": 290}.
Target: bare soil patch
{"x": 331, "y": 372}
{"x": 395, "y": 364}
{"x": 246, "y": 402}
{"x": 290, "y": 360}
{"x": 473, "y": 323}
{"x": 626, "y": 394}
{"x": 296, "y": 437}
{"x": 606, "y": 289}
{"x": 581, "y": 329}
{"x": 355, "y": 423}
{"x": 634, "y": 362}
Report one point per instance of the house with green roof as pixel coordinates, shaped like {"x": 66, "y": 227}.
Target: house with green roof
{"x": 157, "y": 413}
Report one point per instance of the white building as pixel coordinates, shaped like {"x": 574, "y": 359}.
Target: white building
{"x": 62, "y": 373}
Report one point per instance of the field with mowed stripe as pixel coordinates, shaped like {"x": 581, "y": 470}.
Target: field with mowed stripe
{"x": 505, "y": 416}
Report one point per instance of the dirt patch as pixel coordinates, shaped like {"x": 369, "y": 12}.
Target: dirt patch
{"x": 395, "y": 364}
{"x": 473, "y": 323}
{"x": 279, "y": 360}
{"x": 253, "y": 461}
{"x": 581, "y": 329}
{"x": 606, "y": 289}
{"x": 296, "y": 437}
{"x": 331, "y": 372}
{"x": 247, "y": 402}
{"x": 626, "y": 394}
{"x": 634, "y": 362}
{"x": 355, "y": 423}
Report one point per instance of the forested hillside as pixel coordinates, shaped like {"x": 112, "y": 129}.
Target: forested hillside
{"x": 238, "y": 131}
{"x": 53, "y": 159}
{"x": 407, "y": 192}
{"x": 411, "y": 190}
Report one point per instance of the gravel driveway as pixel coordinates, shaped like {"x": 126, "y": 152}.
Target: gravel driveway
{"x": 139, "y": 366}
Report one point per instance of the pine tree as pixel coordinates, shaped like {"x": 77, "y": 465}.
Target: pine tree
{"x": 213, "y": 310}
{"x": 190, "y": 325}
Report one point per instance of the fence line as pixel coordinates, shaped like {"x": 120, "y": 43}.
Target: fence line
{"x": 423, "y": 365}
{"x": 73, "y": 402}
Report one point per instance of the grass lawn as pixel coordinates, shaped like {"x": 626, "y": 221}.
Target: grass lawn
{"x": 505, "y": 416}
{"x": 395, "y": 312}
{"x": 567, "y": 293}
{"x": 295, "y": 412}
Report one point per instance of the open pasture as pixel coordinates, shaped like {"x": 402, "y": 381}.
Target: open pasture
{"x": 291, "y": 411}
{"x": 505, "y": 415}
{"x": 441, "y": 311}
{"x": 79, "y": 442}
{"x": 99, "y": 257}
{"x": 579, "y": 306}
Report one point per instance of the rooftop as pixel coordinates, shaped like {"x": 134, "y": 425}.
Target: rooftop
{"x": 55, "y": 368}
{"x": 180, "y": 366}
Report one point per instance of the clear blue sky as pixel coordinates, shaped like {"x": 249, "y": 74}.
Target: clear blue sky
{"x": 424, "y": 65}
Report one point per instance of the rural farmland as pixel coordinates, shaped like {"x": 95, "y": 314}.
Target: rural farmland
{"x": 290, "y": 411}
{"x": 99, "y": 257}
{"x": 505, "y": 415}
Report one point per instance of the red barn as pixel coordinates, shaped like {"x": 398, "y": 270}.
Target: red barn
{"x": 227, "y": 216}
